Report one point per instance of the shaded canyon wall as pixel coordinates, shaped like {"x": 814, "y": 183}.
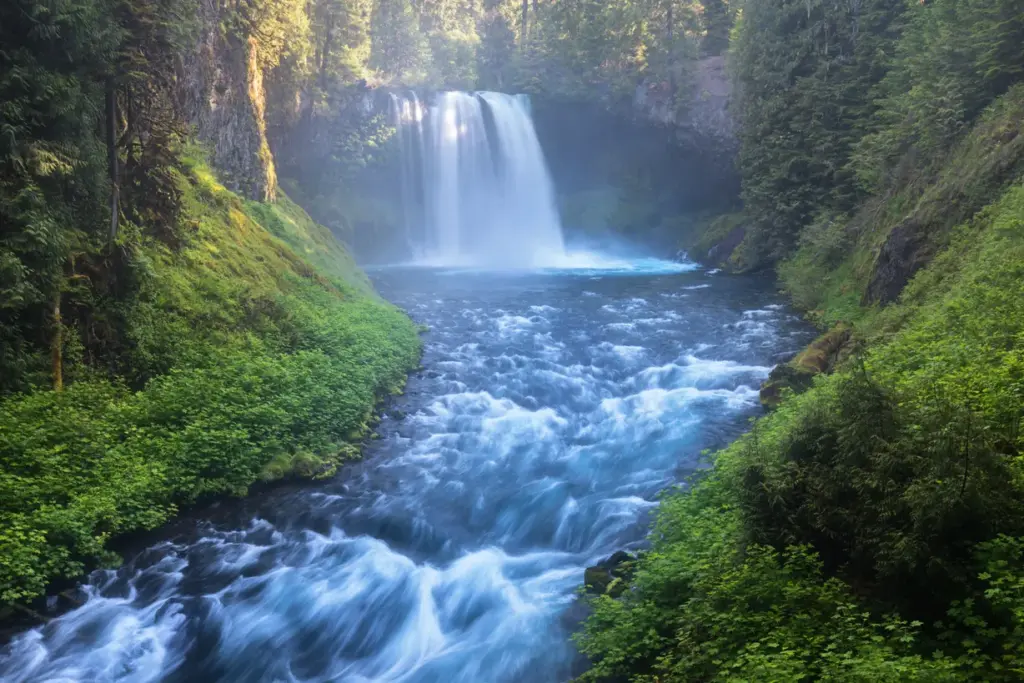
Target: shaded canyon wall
{"x": 221, "y": 89}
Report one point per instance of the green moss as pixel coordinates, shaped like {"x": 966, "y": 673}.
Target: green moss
{"x": 257, "y": 351}
{"x": 314, "y": 243}
{"x": 822, "y": 356}
{"x": 304, "y": 464}
{"x": 713, "y": 239}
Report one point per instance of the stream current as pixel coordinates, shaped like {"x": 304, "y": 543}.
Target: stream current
{"x": 553, "y": 408}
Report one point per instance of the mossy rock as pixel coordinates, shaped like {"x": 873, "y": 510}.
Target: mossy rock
{"x": 821, "y": 356}
{"x": 827, "y": 351}
{"x": 783, "y": 377}
{"x": 715, "y": 241}
{"x": 596, "y": 579}
{"x": 611, "y": 576}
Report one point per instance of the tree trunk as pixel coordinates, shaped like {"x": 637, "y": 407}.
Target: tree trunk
{"x": 325, "y": 55}
{"x": 57, "y": 346}
{"x": 670, "y": 21}
{"x": 115, "y": 188}
{"x": 525, "y": 33}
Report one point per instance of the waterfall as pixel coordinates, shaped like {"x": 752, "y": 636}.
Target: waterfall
{"x": 475, "y": 187}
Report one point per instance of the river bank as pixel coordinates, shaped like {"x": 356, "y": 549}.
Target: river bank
{"x": 254, "y": 351}
{"x": 868, "y": 528}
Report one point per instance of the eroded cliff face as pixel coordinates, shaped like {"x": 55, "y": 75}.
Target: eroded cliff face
{"x": 221, "y": 89}
{"x": 700, "y": 112}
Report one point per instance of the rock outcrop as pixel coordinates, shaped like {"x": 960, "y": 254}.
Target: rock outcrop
{"x": 700, "y": 111}
{"x": 822, "y": 356}
{"x": 610, "y": 576}
{"x": 905, "y": 251}
{"x": 221, "y": 90}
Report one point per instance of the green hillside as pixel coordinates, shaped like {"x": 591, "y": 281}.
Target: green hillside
{"x": 253, "y": 350}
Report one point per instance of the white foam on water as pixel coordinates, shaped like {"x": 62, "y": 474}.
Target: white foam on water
{"x": 588, "y": 265}
{"x": 629, "y": 355}
{"x": 514, "y": 323}
{"x": 698, "y": 373}
{"x": 592, "y": 263}
{"x": 534, "y": 446}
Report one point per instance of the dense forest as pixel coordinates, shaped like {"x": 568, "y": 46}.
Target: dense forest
{"x": 174, "y": 325}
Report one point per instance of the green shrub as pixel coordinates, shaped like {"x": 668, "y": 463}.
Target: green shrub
{"x": 871, "y": 528}
{"x": 247, "y": 364}
{"x": 703, "y": 606}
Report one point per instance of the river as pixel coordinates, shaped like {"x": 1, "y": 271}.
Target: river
{"x": 553, "y": 408}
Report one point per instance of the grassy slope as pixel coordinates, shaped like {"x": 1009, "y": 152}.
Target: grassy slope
{"x": 888, "y": 492}
{"x": 256, "y": 351}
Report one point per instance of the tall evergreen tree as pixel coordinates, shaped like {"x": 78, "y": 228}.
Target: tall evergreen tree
{"x": 398, "y": 48}
{"x": 805, "y": 73}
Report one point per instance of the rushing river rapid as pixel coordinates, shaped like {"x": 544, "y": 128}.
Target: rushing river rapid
{"x": 552, "y": 410}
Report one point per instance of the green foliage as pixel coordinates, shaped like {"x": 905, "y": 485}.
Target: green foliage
{"x": 888, "y": 492}
{"x": 51, "y": 167}
{"x": 833, "y": 266}
{"x": 705, "y": 606}
{"x": 88, "y": 142}
{"x": 251, "y": 363}
{"x": 839, "y": 101}
{"x": 496, "y": 56}
{"x": 600, "y": 51}
{"x": 805, "y": 73}
{"x": 952, "y": 59}
{"x": 398, "y": 46}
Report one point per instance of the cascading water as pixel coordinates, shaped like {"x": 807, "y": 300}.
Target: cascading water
{"x": 554, "y": 408}
{"x": 475, "y": 187}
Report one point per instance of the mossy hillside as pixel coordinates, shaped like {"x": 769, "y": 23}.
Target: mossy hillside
{"x": 843, "y": 265}
{"x": 718, "y": 240}
{"x": 355, "y": 210}
{"x": 871, "y": 527}
{"x": 256, "y": 350}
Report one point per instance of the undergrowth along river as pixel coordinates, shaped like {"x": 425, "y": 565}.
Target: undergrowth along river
{"x": 553, "y": 408}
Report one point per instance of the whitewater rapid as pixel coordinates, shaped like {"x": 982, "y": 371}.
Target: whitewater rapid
{"x": 553, "y": 409}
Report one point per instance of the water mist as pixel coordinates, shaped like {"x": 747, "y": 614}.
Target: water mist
{"x": 476, "y": 190}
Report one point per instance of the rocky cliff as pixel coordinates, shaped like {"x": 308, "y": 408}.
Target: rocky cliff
{"x": 698, "y": 110}
{"x": 221, "y": 90}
